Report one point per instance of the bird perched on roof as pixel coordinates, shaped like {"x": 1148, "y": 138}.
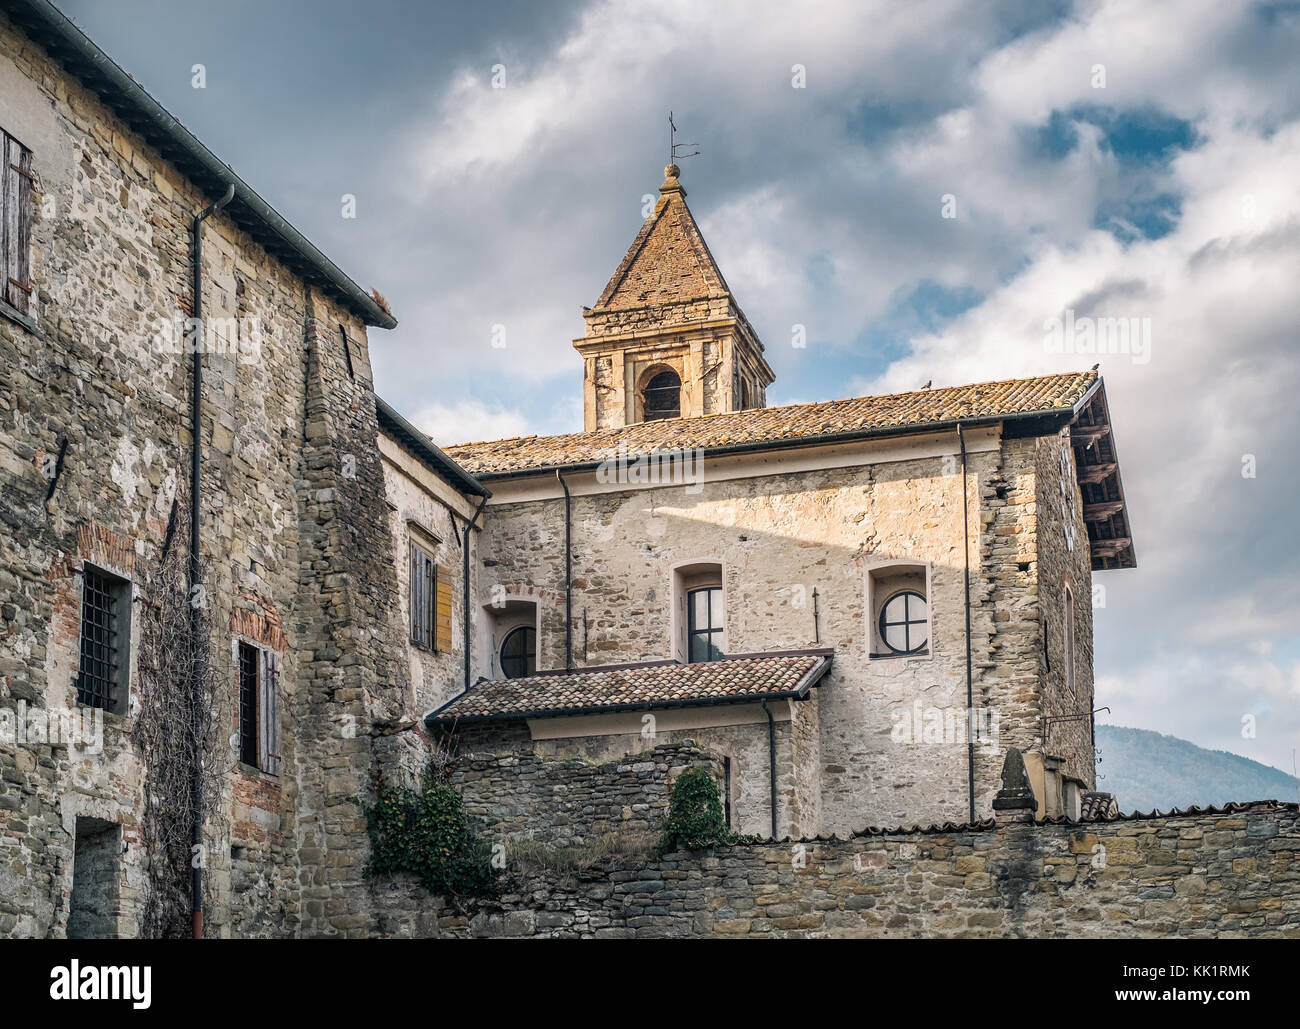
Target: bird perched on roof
{"x": 1096, "y": 366}
{"x": 927, "y": 385}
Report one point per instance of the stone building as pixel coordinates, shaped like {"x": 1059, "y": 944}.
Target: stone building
{"x": 857, "y": 604}
{"x": 822, "y": 597}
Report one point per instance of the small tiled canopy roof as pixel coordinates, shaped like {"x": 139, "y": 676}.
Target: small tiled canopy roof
{"x": 895, "y": 413}
{"x": 640, "y": 687}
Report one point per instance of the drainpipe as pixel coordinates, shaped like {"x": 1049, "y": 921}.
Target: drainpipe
{"x": 771, "y": 763}
{"x": 568, "y": 574}
{"x": 196, "y": 403}
{"x": 464, "y": 554}
{"x": 970, "y": 689}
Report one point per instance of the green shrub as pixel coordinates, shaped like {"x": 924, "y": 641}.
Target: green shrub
{"x": 695, "y": 817}
{"x": 427, "y": 832}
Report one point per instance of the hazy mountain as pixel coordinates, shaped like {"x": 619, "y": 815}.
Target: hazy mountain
{"x": 1148, "y": 770}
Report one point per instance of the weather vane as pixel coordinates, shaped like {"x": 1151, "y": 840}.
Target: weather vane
{"x": 673, "y": 144}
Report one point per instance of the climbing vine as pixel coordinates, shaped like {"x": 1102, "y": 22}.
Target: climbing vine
{"x": 173, "y": 736}
{"x": 425, "y": 830}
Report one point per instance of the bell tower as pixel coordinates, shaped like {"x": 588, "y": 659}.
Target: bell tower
{"x": 667, "y": 339}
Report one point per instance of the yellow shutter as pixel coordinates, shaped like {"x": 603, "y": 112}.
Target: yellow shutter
{"x": 442, "y": 610}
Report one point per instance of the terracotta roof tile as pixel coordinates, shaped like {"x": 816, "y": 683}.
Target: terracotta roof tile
{"x": 638, "y": 687}
{"x": 901, "y": 412}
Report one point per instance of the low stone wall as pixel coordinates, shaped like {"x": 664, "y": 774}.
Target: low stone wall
{"x": 1218, "y": 873}
{"x": 569, "y": 802}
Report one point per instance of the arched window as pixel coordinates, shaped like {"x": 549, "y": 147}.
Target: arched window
{"x": 662, "y": 396}
{"x": 904, "y": 622}
{"x": 519, "y": 652}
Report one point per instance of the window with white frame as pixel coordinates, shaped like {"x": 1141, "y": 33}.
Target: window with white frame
{"x": 699, "y": 623}
{"x": 900, "y": 610}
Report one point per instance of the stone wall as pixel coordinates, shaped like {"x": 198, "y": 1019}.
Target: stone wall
{"x": 1221, "y": 873}
{"x": 296, "y": 553}
{"x": 569, "y": 802}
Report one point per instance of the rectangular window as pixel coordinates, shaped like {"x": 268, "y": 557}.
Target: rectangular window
{"x": 423, "y": 597}
{"x": 1069, "y": 638}
{"x": 15, "y": 222}
{"x": 431, "y": 601}
{"x": 705, "y": 630}
{"x": 105, "y": 640}
{"x": 248, "y": 682}
{"x": 259, "y": 708}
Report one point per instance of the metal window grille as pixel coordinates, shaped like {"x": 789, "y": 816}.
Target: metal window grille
{"x": 248, "y": 751}
{"x": 97, "y": 677}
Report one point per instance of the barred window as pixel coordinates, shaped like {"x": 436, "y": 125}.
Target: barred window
{"x": 259, "y": 707}
{"x": 16, "y": 182}
{"x": 105, "y": 640}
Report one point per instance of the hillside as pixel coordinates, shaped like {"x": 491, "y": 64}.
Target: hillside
{"x": 1148, "y": 770}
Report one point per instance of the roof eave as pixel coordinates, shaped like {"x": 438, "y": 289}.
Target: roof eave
{"x": 428, "y": 451}
{"x": 83, "y": 59}
{"x": 798, "y": 692}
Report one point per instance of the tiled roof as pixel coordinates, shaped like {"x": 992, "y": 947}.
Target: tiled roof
{"x": 639, "y": 687}
{"x": 1098, "y": 805}
{"x": 669, "y": 261}
{"x": 857, "y": 416}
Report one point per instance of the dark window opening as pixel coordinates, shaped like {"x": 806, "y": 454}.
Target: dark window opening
{"x": 904, "y": 622}
{"x": 423, "y": 597}
{"x": 347, "y": 352}
{"x": 95, "y": 903}
{"x": 726, "y": 789}
{"x": 519, "y": 652}
{"x": 662, "y": 396}
{"x": 705, "y": 632}
{"x": 105, "y": 638}
{"x": 248, "y": 679}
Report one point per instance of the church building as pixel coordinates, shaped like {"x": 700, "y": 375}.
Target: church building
{"x": 858, "y": 604}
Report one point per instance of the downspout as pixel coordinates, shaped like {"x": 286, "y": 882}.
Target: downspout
{"x": 568, "y": 574}
{"x": 196, "y": 444}
{"x": 771, "y": 763}
{"x": 970, "y": 689}
{"x": 464, "y": 554}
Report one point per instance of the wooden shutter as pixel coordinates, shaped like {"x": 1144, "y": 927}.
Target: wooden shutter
{"x": 442, "y": 612}
{"x": 268, "y": 710}
{"x": 16, "y": 221}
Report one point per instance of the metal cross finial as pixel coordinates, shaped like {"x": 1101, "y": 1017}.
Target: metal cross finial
{"x": 673, "y": 155}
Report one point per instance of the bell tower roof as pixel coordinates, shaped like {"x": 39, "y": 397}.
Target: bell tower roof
{"x": 667, "y": 339}
{"x": 668, "y": 262}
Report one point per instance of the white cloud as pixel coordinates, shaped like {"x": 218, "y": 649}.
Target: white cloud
{"x": 468, "y": 421}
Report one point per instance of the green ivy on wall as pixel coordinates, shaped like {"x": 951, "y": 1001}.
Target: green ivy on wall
{"x": 426, "y": 831}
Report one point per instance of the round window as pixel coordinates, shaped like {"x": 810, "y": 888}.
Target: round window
{"x": 519, "y": 652}
{"x": 903, "y": 622}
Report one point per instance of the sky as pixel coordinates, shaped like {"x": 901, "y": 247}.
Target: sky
{"x": 921, "y": 186}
